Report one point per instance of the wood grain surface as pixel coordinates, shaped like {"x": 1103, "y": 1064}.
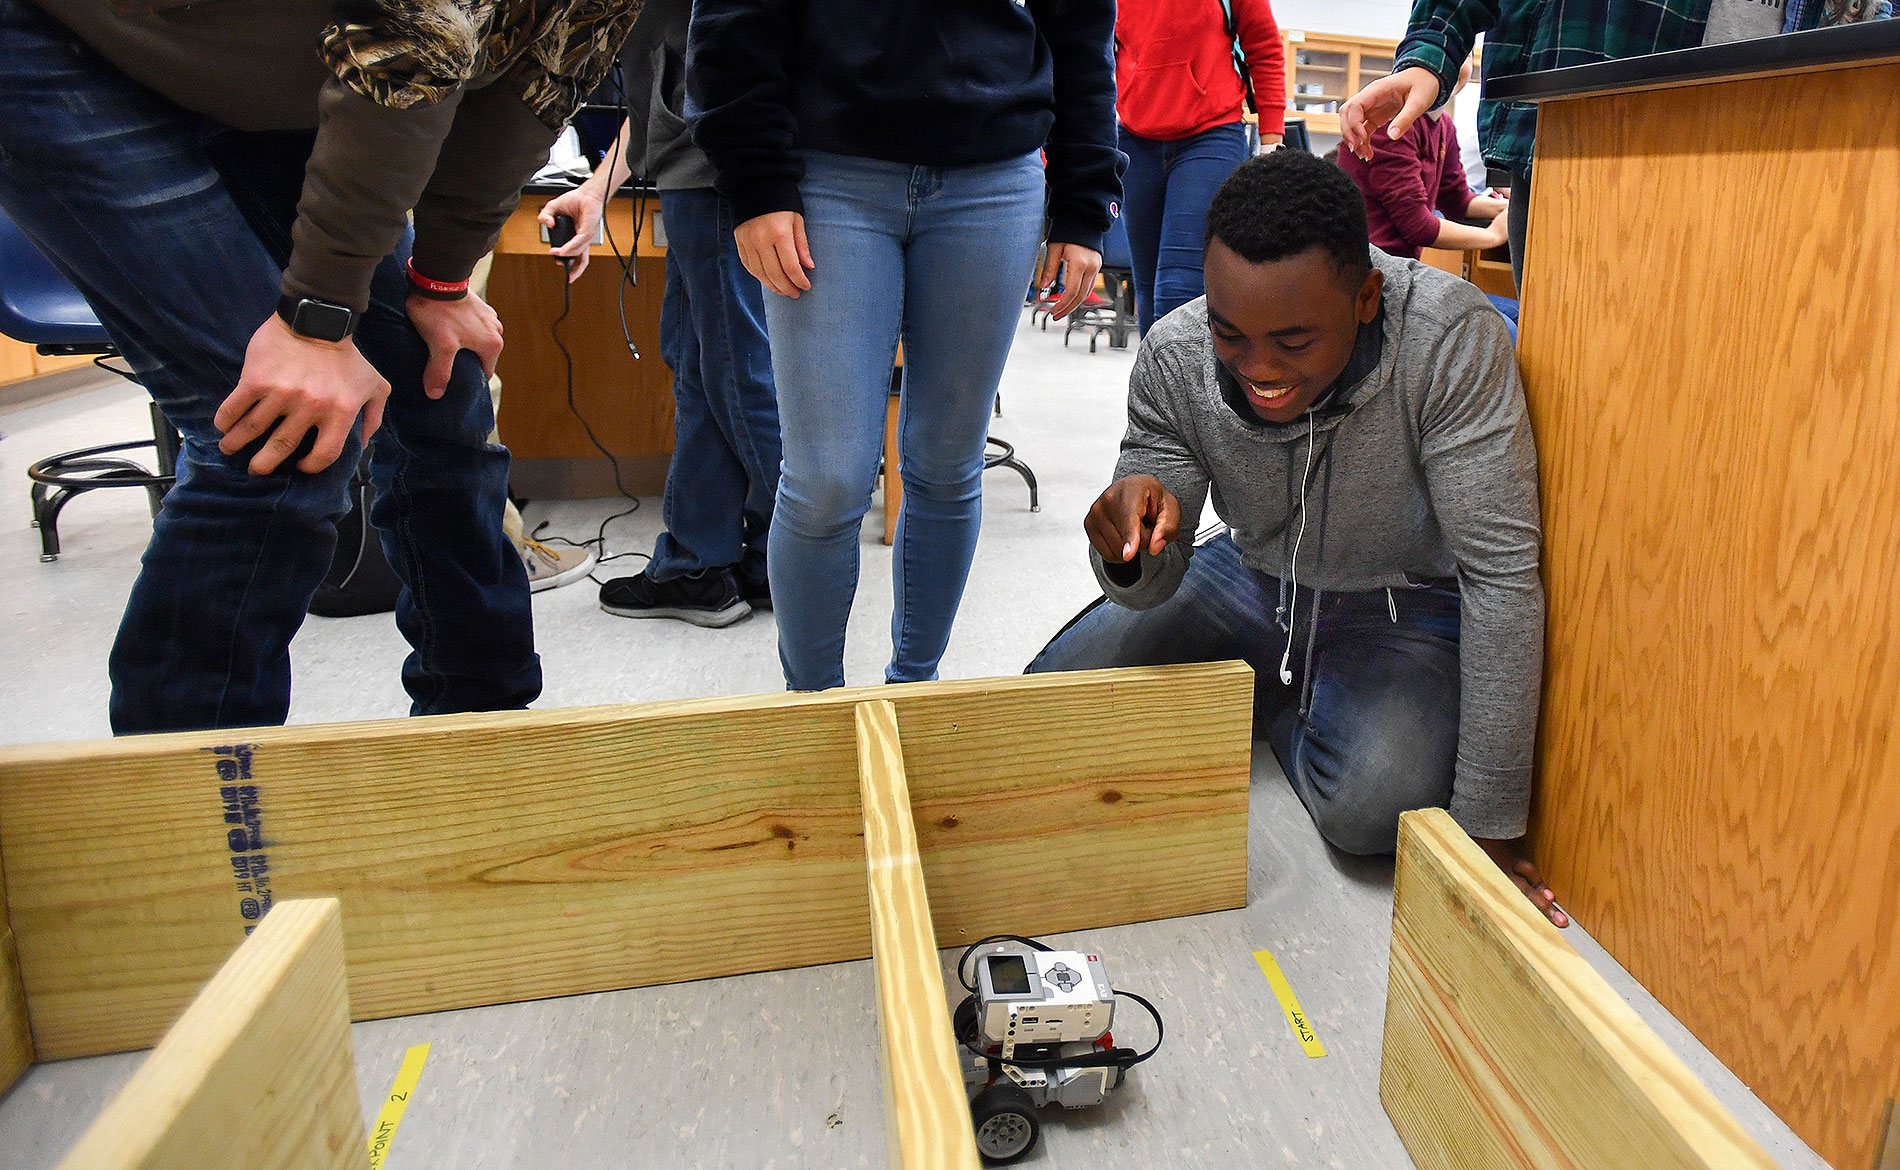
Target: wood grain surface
{"x": 16, "y": 1038}
{"x": 926, "y": 1108}
{"x": 1711, "y": 361}
{"x": 488, "y": 858}
{"x": 258, "y": 1074}
{"x": 1505, "y": 1049}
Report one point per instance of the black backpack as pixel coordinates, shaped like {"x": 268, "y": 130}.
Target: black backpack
{"x": 360, "y": 580}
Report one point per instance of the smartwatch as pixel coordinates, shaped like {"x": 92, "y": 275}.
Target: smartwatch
{"x": 321, "y": 320}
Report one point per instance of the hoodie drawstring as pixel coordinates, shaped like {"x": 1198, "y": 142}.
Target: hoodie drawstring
{"x": 1293, "y": 613}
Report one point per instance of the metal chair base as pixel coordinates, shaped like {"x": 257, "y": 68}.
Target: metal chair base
{"x": 1005, "y": 456}
{"x": 59, "y": 478}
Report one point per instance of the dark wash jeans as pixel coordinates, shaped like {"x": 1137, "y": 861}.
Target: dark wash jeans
{"x": 1165, "y": 196}
{"x": 1365, "y": 733}
{"x": 176, "y": 231}
{"x": 723, "y": 475}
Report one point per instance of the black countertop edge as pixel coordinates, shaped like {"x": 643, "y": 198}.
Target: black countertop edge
{"x": 1822, "y": 47}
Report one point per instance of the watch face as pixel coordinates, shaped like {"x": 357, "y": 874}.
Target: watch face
{"x": 322, "y": 320}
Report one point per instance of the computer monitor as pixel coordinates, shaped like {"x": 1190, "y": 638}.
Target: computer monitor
{"x": 1296, "y": 137}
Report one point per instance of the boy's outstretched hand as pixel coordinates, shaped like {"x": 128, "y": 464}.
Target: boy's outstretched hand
{"x": 1524, "y": 873}
{"x": 1135, "y": 513}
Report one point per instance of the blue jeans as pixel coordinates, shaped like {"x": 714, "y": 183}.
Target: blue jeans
{"x": 940, "y": 256}
{"x": 176, "y": 231}
{"x": 724, "y": 471}
{"x": 1369, "y": 726}
{"x": 1165, "y": 196}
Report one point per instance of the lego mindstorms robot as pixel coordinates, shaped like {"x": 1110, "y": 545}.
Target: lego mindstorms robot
{"x": 1034, "y": 1031}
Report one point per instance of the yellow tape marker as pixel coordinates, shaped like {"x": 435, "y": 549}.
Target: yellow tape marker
{"x": 390, "y": 1115}
{"x": 1289, "y": 1003}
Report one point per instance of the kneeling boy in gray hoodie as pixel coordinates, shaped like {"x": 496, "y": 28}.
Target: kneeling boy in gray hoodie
{"x": 1360, "y": 425}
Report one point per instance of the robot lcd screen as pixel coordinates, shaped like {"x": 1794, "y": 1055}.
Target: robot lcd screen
{"x": 1009, "y": 975}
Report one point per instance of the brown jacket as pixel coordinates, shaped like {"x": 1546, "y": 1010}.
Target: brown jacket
{"x": 443, "y": 107}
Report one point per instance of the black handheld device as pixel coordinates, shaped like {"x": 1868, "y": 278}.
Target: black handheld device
{"x": 562, "y": 231}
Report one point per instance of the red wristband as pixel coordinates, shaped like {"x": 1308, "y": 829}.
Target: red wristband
{"x": 435, "y": 286}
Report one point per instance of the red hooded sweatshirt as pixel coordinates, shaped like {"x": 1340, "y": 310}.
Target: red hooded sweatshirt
{"x": 1174, "y": 66}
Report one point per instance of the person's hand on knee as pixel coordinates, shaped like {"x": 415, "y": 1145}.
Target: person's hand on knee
{"x": 292, "y": 385}
{"x": 449, "y": 327}
{"x": 1524, "y": 873}
{"x": 1136, "y": 513}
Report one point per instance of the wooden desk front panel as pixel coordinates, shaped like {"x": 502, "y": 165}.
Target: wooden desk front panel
{"x": 628, "y": 403}
{"x": 1713, "y": 361}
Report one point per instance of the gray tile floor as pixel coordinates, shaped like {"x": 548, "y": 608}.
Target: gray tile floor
{"x": 780, "y": 1070}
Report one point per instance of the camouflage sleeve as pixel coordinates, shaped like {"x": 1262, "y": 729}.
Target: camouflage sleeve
{"x": 404, "y": 53}
{"x": 402, "y": 129}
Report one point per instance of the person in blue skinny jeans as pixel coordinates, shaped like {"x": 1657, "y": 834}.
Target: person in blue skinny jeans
{"x": 884, "y": 162}
{"x": 196, "y": 169}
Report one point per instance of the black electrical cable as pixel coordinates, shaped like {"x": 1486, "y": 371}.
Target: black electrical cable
{"x": 600, "y": 539}
{"x": 627, "y": 276}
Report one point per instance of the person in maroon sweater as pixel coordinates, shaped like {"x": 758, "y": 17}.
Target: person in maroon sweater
{"x": 1181, "y": 103}
{"x": 1408, "y": 177}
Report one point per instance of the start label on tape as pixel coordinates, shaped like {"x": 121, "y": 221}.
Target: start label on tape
{"x": 1289, "y": 1003}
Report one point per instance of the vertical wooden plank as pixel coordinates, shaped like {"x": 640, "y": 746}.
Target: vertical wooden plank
{"x": 926, "y": 1109}
{"x": 258, "y": 1074}
{"x": 1712, "y": 388}
{"x": 1505, "y": 1050}
{"x": 16, "y": 1038}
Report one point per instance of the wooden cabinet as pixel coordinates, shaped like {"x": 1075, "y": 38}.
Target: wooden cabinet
{"x": 1710, "y": 374}
{"x": 19, "y": 361}
{"x": 626, "y": 402}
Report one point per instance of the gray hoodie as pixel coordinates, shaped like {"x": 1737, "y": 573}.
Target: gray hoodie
{"x": 1423, "y": 467}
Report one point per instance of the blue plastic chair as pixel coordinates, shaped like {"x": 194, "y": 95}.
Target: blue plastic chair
{"x": 40, "y": 307}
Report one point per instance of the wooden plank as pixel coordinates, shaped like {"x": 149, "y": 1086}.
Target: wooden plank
{"x": 16, "y": 1038}
{"x": 473, "y": 871}
{"x": 1504, "y": 1048}
{"x": 926, "y": 1109}
{"x": 258, "y": 1074}
{"x": 1719, "y": 778}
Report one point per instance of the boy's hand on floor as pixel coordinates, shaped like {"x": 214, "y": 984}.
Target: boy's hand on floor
{"x": 1523, "y": 871}
{"x": 1135, "y": 513}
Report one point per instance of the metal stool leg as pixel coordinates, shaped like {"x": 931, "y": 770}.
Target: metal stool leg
{"x": 1005, "y": 456}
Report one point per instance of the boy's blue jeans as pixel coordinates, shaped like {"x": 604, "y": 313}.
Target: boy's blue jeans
{"x": 1165, "y": 196}
{"x": 176, "y": 231}
{"x": 940, "y": 256}
{"x": 1369, "y": 726}
{"x": 724, "y": 471}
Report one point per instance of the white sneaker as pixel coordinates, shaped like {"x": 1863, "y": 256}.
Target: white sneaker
{"x": 549, "y": 568}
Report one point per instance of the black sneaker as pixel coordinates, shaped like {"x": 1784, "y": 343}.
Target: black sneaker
{"x": 757, "y": 591}
{"x": 710, "y": 599}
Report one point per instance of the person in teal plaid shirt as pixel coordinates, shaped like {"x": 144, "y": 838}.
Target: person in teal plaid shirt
{"x": 1524, "y": 36}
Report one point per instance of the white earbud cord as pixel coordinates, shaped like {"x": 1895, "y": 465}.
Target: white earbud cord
{"x": 1292, "y": 621}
